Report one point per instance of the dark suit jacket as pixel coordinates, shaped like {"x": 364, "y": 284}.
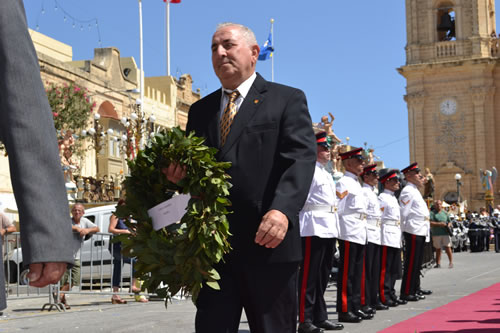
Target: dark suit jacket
{"x": 27, "y": 130}
{"x": 272, "y": 149}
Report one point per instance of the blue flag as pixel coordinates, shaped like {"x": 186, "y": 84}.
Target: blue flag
{"x": 267, "y": 49}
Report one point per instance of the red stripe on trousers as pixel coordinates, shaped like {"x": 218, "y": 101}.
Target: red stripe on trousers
{"x": 344, "y": 276}
{"x": 363, "y": 281}
{"x": 382, "y": 273}
{"x": 307, "y": 260}
{"x": 410, "y": 265}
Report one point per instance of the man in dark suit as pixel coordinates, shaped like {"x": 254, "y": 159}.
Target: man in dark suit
{"x": 27, "y": 130}
{"x": 271, "y": 146}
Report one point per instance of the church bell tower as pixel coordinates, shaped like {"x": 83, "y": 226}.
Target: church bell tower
{"x": 452, "y": 57}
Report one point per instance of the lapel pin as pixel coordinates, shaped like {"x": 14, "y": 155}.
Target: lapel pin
{"x": 255, "y": 101}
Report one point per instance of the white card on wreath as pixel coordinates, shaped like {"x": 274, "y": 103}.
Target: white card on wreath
{"x": 169, "y": 212}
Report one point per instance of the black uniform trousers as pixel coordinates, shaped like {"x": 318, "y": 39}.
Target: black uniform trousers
{"x": 349, "y": 276}
{"x": 313, "y": 278}
{"x": 371, "y": 275}
{"x": 389, "y": 272}
{"x": 413, "y": 256}
{"x": 270, "y": 300}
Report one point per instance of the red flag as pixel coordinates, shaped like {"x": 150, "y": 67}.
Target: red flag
{"x": 173, "y": 1}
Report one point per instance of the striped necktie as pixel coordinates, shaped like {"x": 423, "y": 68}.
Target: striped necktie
{"x": 228, "y": 116}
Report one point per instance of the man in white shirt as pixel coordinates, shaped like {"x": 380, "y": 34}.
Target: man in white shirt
{"x": 352, "y": 238}
{"x": 371, "y": 273}
{"x": 319, "y": 227}
{"x": 415, "y": 226}
{"x": 390, "y": 238}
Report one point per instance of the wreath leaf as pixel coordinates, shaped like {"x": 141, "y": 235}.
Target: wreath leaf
{"x": 179, "y": 257}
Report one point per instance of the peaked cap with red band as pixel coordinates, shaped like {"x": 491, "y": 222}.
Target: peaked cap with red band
{"x": 391, "y": 174}
{"x": 369, "y": 169}
{"x": 322, "y": 140}
{"x": 411, "y": 167}
{"x": 355, "y": 153}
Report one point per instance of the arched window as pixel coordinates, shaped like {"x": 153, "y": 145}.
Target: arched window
{"x": 446, "y": 22}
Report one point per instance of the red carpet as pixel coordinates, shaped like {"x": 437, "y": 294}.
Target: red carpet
{"x": 475, "y": 313}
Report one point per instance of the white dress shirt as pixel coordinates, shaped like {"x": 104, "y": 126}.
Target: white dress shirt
{"x": 315, "y": 218}
{"x": 352, "y": 209}
{"x": 414, "y": 211}
{"x": 243, "y": 89}
{"x": 373, "y": 214}
{"x": 391, "y": 219}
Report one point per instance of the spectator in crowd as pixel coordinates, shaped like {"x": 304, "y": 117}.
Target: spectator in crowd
{"x": 118, "y": 227}
{"x": 6, "y": 225}
{"x": 440, "y": 220}
{"x": 82, "y": 229}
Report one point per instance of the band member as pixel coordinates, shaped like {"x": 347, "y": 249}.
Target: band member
{"x": 352, "y": 238}
{"x": 371, "y": 272}
{"x": 415, "y": 227}
{"x": 390, "y": 238}
{"x": 319, "y": 226}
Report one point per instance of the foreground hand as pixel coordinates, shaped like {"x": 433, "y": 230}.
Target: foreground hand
{"x": 272, "y": 229}
{"x": 175, "y": 173}
{"x": 42, "y": 274}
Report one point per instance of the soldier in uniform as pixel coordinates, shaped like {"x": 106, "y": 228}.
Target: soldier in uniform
{"x": 390, "y": 239}
{"x": 371, "y": 273}
{"x": 415, "y": 227}
{"x": 318, "y": 229}
{"x": 352, "y": 238}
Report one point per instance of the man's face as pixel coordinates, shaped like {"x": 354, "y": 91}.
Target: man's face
{"x": 392, "y": 184}
{"x": 438, "y": 204}
{"x": 415, "y": 178}
{"x": 371, "y": 178}
{"x": 323, "y": 154}
{"x": 354, "y": 165}
{"x": 232, "y": 58}
{"x": 77, "y": 212}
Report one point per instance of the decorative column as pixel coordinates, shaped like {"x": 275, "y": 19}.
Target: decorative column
{"x": 479, "y": 95}
{"x": 416, "y": 133}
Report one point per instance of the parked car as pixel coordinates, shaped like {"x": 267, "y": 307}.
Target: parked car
{"x": 96, "y": 259}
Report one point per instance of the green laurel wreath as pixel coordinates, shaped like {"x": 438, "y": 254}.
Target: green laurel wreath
{"x": 179, "y": 257}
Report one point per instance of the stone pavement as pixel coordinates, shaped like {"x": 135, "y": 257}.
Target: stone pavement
{"x": 95, "y": 313}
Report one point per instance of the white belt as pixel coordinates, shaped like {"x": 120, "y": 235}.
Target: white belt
{"x": 320, "y": 208}
{"x": 374, "y": 222}
{"x": 360, "y": 216}
{"x": 391, "y": 222}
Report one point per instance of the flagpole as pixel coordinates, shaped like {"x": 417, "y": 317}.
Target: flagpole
{"x": 168, "y": 37}
{"x": 141, "y": 57}
{"x": 272, "y": 58}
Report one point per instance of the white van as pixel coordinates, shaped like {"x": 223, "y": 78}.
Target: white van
{"x": 96, "y": 259}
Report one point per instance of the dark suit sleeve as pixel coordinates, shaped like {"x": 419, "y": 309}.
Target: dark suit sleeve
{"x": 297, "y": 154}
{"x": 27, "y": 130}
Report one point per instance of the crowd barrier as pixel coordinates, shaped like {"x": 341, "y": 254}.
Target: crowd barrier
{"x": 96, "y": 273}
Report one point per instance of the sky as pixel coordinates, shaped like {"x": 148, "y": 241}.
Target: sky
{"x": 342, "y": 54}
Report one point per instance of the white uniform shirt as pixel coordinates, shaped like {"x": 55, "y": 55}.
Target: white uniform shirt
{"x": 414, "y": 211}
{"x": 373, "y": 214}
{"x": 314, "y": 219}
{"x": 390, "y": 233}
{"x": 352, "y": 209}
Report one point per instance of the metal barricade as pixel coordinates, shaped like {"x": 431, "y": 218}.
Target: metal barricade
{"x": 97, "y": 268}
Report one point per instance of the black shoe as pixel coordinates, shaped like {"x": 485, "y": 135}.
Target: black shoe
{"x": 349, "y": 317}
{"x": 391, "y": 303}
{"x": 409, "y": 298}
{"x": 329, "y": 326}
{"x": 420, "y": 296}
{"x": 401, "y": 301}
{"x": 368, "y": 309}
{"x": 380, "y": 306}
{"x": 424, "y": 292}
{"x": 307, "y": 327}
{"x": 364, "y": 316}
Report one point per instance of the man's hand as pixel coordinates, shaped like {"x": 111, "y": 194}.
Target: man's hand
{"x": 83, "y": 232}
{"x": 175, "y": 173}
{"x": 42, "y": 274}
{"x": 272, "y": 229}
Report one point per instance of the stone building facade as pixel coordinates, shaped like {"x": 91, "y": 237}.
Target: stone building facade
{"x": 112, "y": 82}
{"x": 452, "y": 72}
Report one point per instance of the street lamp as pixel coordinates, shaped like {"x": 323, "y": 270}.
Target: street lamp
{"x": 457, "y": 178}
